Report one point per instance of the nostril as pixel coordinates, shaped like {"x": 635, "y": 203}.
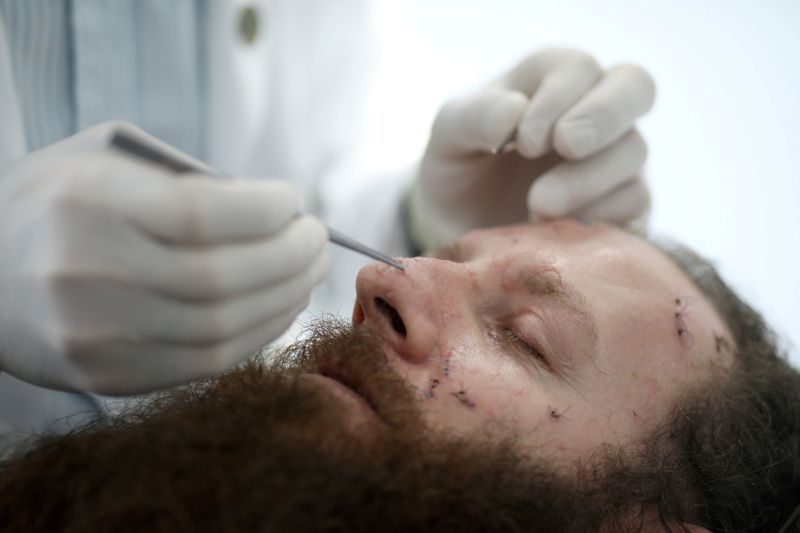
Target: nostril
{"x": 358, "y": 314}
{"x": 391, "y": 313}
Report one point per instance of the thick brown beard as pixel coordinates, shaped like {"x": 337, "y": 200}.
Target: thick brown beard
{"x": 355, "y": 358}
{"x": 252, "y": 451}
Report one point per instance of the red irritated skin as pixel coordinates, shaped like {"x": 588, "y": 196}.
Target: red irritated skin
{"x": 564, "y": 335}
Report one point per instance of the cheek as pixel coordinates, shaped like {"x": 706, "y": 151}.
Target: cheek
{"x": 635, "y": 392}
{"x": 485, "y": 393}
{"x": 646, "y": 357}
{"x": 492, "y": 397}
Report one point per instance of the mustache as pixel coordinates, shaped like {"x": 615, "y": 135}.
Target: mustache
{"x": 353, "y": 356}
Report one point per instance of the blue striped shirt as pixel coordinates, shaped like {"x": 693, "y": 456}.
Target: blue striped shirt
{"x": 77, "y": 63}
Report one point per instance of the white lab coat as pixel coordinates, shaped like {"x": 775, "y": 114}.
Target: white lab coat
{"x": 285, "y": 106}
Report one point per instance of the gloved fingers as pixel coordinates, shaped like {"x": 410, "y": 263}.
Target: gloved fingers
{"x": 126, "y": 366}
{"x": 227, "y": 269}
{"x": 476, "y": 123}
{"x": 90, "y": 308}
{"x": 605, "y": 113}
{"x": 178, "y": 208}
{"x": 571, "y": 185}
{"x": 623, "y": 204}
{"x": 563, "y": 85}
{"x": 197, "y": 209}
{"x": 201, "y": 323}
{"x": 96, "y": 234}
{"x": 529, "y": 73}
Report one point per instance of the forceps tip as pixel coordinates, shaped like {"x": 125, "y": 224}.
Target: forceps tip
{"x": 342, "y": 240}
{"x": 396, "y": 264}
{"x": 505, "y": 146}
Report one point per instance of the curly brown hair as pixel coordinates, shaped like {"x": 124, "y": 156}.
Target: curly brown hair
{"x": 729, "y": 457}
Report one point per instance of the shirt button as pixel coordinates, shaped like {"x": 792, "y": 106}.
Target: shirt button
{"x": 248, "y": 24}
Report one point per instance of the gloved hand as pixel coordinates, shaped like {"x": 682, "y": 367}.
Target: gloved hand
{"x": 576, "y": 151}
{"x": 119, "y": 277}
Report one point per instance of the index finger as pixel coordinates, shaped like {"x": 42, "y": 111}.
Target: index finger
{"x": 199, "y": 209}
{"x": 606, "y": 113}
{"x": 196, "y": 208}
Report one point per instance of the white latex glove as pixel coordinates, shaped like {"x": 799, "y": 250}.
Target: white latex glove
{"x": 576, "y": 151}
{"x": 119, "y": 277}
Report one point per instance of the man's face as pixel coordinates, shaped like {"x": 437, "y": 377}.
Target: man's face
{"x": 451, "y": 404}
{"x": 563, "y": 336}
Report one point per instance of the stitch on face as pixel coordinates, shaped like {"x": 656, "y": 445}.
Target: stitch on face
{"x": 461, "y": 396}
{"x": 721, "y": 343}
{"x": 680, "y": 324}
{"x": 555, "y": 415}
{"x": 434, "y": 383}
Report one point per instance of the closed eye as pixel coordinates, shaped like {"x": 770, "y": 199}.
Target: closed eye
{"x": 527, "y": 349}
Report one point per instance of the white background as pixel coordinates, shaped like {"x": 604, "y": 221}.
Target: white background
{"x": 724, "y": 163}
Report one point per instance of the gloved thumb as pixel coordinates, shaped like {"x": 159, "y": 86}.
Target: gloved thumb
{"x": 476, "y": 123}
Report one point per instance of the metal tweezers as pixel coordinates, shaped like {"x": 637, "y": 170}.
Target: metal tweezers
{"x": 132, "y": 146}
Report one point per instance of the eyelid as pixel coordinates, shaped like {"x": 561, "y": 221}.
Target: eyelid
{"x": 570, "y": 329}
{"x": 531, "y": 348}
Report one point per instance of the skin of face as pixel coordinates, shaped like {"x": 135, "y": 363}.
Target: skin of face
{"x": 565, "y": 336}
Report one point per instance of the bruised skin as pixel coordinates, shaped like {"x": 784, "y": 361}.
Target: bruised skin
{"x": 564, "y": 335}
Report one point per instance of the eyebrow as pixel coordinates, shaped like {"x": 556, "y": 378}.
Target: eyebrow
{"x": 542, "y": 285}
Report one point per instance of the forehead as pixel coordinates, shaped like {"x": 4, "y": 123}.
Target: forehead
{"x": 567, "y": 242}
{"x": 638, "y": 296}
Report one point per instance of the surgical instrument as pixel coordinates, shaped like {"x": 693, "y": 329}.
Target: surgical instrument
{"x": 506, "y": 144}
{"x": 132, "y": 146}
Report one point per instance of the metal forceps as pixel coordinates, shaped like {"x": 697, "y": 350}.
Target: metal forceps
{"x": 506, "y": 144}
{"x": 132, "y": 146}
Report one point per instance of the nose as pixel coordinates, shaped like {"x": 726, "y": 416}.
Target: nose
{"x": 415, "y": 310}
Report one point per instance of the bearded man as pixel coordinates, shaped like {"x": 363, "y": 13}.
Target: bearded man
{"x": 554, "y": 377}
